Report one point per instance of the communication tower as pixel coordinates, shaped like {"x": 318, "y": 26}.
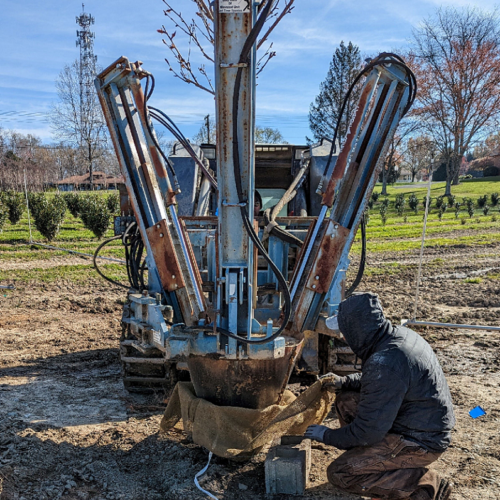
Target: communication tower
{"x": 85, "y": 40}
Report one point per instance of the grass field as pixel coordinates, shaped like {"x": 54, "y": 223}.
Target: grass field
{"x": 66, "y": 417}
{"x": 400, "y": 233}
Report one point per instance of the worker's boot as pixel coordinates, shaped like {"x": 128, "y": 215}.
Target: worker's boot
{"x": 444, "y": 490}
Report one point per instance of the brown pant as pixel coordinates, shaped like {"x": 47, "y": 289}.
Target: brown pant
{"x": 392, "y": 469}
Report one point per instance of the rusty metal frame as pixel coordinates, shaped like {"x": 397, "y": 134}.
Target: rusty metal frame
{"x": 122, "y": 100}
{"x": 350, "y": 185}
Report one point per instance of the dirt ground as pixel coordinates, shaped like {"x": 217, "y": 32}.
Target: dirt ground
{"x": 69, "y": 430}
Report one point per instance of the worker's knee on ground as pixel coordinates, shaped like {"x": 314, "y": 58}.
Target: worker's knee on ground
{"x": 337, "y": 475}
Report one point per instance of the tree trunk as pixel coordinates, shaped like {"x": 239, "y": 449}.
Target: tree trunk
{"x": 447, "y": 191}
{"x": 384, "y": 181}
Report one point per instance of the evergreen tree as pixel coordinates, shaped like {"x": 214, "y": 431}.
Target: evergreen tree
{"x": 325, "y": 110}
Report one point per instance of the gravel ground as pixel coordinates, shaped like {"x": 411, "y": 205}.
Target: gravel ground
{"x": 69, "y": 430}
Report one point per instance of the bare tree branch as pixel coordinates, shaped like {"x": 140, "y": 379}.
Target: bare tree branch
{"x": 287, "y": 9}
{"x": 200, "y": 35}
{"x": 262, "y": 62}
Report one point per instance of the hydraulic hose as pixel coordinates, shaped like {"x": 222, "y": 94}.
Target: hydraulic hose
{"x": 270, "y": 215}
{"x": 96, "y": 253}
{"x": 247, "y": 223}
{"x": 362, "y": 262}
{"x": 383, "y": 58}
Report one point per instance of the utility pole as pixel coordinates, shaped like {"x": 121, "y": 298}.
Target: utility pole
{"x": 207, "y": 121}
{"x": 87, "y": 75}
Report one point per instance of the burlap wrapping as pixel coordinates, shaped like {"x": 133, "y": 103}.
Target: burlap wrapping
{"x": 237, "y": 433}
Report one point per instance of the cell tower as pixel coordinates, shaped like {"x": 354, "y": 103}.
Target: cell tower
{"x": 85, "y": 39}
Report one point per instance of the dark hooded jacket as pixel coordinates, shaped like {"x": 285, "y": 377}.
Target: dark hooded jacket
{"x": 403, "y": 388}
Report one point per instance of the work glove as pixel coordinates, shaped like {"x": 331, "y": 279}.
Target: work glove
{"x": 330, "y": 380}
{"x": 316, "y": 432}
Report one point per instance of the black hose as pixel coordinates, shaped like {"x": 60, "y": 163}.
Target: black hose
{"x": 168, "y": 123}
{"x": 157, "y": 145}
{"x": 134, "y": 249}
{"x": 362, "y": 262}
{"x": 383, "y": 58}
{"x": 96, "y": 253}
{"x": 247, "y": 223}
{"x": 281, "y": 233}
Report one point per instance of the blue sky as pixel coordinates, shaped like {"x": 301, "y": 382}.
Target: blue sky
{"x": 37, "y": 38}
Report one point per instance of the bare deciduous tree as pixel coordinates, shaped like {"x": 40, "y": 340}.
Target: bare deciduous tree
{"x": 389, "y": 174}
{"x": 417, "y": 154}
{"x": 200, "y": 35}
{"x": 79, "y": 122}
{"x": 456, "y": 58}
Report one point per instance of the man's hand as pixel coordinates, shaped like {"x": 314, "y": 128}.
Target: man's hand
{"x": 316, "y": 432}
{"x": 332, "y": 380}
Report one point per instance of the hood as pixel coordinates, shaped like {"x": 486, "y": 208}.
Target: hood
{"x": 362, "y": 322}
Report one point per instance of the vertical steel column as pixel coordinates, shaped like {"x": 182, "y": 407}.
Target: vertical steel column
{"x": 232, "y": 26}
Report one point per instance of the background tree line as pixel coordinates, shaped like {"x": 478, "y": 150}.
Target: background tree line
{"x": 44, "y": 164}
{"x": 455, "y": 55}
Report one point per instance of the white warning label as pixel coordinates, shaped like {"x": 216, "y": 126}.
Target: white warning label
{"x": 234, "y": 6}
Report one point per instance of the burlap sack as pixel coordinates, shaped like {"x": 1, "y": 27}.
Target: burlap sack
{"x": 237, "y": 433}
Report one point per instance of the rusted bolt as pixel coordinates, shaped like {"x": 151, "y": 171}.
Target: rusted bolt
{"x": 314, "y": 286}
{"x": 158, "y": 226}
{"x": 176, "y": 286}
{"x": 161, "y": 235}
{"x": 317, "y": 277}
{"x": 173, "y": 276}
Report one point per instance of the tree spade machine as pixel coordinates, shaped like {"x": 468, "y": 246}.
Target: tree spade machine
{"x": 238, "y": 294}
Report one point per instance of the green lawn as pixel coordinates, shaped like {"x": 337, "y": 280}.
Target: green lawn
{"x": 400, "y": 233}
{"x": 472, "y": 188}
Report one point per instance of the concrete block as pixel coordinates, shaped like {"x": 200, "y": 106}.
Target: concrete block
{"x": 288, "y": 465}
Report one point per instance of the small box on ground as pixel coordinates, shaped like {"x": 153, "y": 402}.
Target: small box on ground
{"x": 287, "y": 466}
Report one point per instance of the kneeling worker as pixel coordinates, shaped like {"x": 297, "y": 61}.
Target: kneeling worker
{"x": 396, "y": 415}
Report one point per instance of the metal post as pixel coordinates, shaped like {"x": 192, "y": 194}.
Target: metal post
{"x": 450, "y": 325}
{"x": 27, "y": 205}
{"x": 419, "y": 273}
{"x": 232, "y": 27}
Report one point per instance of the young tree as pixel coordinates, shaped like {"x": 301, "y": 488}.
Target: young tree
{"x": 456, "y": 58}
{"x": 79, "y": 122}
{"x": 325, "y": 110}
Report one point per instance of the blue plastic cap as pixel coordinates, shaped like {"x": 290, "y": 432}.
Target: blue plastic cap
{"x": 477, "y": 412}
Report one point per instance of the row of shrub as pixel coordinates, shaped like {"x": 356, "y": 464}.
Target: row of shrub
{"x": 96, "y": 212}
{"x": 441, "y": 201}
{"x": 468, "y": 203}
{"x": 12, "y": 205}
